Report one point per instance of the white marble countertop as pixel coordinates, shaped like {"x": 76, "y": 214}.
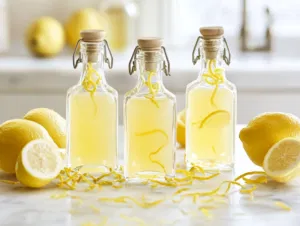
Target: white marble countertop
{"x": 21, "y": 206}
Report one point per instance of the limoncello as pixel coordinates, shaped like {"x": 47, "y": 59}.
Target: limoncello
{"x": 150, "y": 113}
{"x": 92, "y": 111}
{"x": 211, "y": 108}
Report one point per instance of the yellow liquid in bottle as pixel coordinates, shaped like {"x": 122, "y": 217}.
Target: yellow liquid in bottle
{"x": 149, "y": 131}
{"x": 92, "y": 128}
{"x": 210, "y": 127}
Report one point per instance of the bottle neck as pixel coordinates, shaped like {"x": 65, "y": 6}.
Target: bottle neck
{"x": 210, "y": 67}
{"x": 92, "y": 66}
{"x": 150, "y": 71}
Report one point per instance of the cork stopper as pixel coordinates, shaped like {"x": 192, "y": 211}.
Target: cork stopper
{"x": 212, "y": 32}
{"x": 212, "y": 40}
{"x": 151, "y": 46}
{"x": 92, "y": 35}
{"x": 93, "y": 38}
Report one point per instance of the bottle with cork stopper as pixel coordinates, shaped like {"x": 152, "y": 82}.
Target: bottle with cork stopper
{"x": 149, "y": 115}
{"x": 92, "y": 114}
{"x": 211, "y": 105}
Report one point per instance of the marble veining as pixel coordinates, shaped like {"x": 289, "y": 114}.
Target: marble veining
{"x": 35, "y": 207}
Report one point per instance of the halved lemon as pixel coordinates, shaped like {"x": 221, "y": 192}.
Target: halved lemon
{"x": 282, "y": 162}
{"x": 181, "y": 128}
{"x": 38, "y": 164}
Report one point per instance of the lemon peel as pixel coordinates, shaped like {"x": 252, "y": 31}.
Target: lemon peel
{"x": 138, "y": 220}
{"x": 69, "y": 179}
{"x": 210, "y": 115}
{"x": 283, "y": 205}
{"x": 153, "y": 88}
{"x": 59, "y": 196}
{"x": 214, "y": 77}
{"x": 159, "y": 149}
{"x": 89, "y": 84}
{"x": 124, "y": 199}
{"x": 249, "y": 173}
{"x": 9, "y": 182}
{"x": 205, "y": 212}
{"x": 95, "y": 209}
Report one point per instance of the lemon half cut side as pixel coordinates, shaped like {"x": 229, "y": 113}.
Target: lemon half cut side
{"x": 38, "y": 164}
{"x": 283, "y": 160}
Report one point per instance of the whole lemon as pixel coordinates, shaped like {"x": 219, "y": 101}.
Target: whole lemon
{"x": 181, "y": 128}
{"x": 52, "y": 122}
{"x": 14, "y": 135}
{"x": 45, "y": 37}
{"x": 265, "y": 130}
{"x": 83, "y": 19}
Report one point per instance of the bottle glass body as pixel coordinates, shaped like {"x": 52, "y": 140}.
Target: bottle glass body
{"x": 211, "y": 117}
{"x": 92, "y": 117}
{"x": 150, "y": 120}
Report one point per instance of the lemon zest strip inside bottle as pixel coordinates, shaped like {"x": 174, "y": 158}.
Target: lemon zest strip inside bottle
{"x": 203, "y": 121}
{"x": 159, "y": 149}
{"x": 214, "y": 77}
{"x": 89, "y": 84}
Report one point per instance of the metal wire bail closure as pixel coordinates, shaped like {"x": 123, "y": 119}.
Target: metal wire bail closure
{"x": 167, "y": 67}
{"x": 79, "y": 60}
{"x": 110, "y": 62}
{"x": 132, "y": 61}
{"x": 226, "y": 58}
{"x": 226, "y": 52}
{"x": 195, "y": 59}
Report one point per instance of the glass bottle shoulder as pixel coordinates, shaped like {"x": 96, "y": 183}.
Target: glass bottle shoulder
{"x": 78, "y": 89}
{"x": 139, "y": 92}
{"x": 200, "y": 83}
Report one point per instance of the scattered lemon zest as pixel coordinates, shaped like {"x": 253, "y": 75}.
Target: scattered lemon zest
{"x": 179, "y": 191}
{"x": 95, "y": 209}
{"x": 138, "y": 220}
{"x": 123, "y": 199}
{"x": 59, "y": 196}
{"x": 103, "y": 221}
{"x": 205, "y": 212}
{"x": 159, "y": 149}
{"x": 283, "y": 205}
{"x": 259, "y": 180}
{"x": 9, "y": 182}
{"x": 248, "y": 174}
{"x": 69, "y": 179}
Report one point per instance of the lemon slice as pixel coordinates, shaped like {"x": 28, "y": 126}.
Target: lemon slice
{"x": 181, "y": 128}
{"x": 283, "y": 159}
{"x": 38, "y": 164}
{"x": 215, "y": 119}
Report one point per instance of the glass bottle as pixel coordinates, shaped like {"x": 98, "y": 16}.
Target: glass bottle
{"x": 92, "y": 115}
{"x": 149, "y": 115}
{"x": 211, "y": 105}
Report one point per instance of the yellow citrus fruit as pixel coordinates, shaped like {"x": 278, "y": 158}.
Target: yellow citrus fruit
{"x": 181, "y": 128}
{"x": 52, "y": 122}
{"x": 45, "y": 37}
{"x": 265, "y": 130}
{"x": 83, "y": 19}
{"x": 14, "y": 135}
{"x": 38, "y": 163}
{"x": 283, "y": 160}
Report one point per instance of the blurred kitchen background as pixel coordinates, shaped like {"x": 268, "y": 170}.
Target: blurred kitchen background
{"x": 263, "y": 35}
